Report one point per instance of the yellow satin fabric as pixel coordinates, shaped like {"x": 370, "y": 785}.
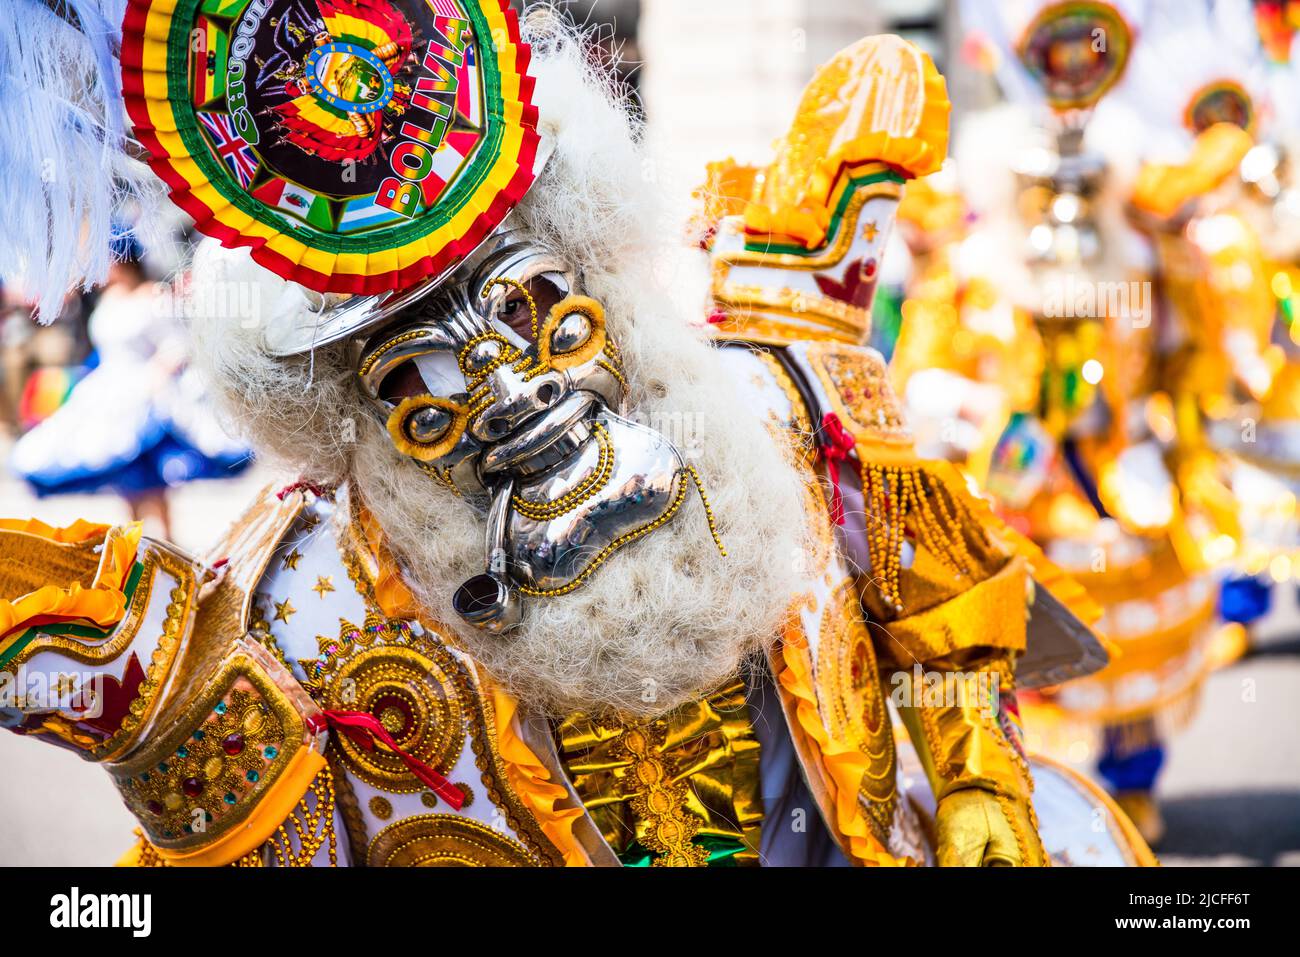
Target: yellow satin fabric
{"x": 977, "y": 829}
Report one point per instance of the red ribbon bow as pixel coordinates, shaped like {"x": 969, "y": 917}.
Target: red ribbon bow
{"x": 364, "y": 728}
{"x": 302, "y": 485}
{"x": 836, "y": 445}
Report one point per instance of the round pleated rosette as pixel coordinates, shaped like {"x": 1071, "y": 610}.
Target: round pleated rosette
{"x": 1076, "y": 50}
{"x": 355, "y": 146}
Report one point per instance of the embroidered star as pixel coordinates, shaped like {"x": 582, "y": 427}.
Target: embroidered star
{"x": 870, "y": 231}
{"x": 292, "y": 559}
{"x": 283, "y": 610}
{"x": 323, "y": 585}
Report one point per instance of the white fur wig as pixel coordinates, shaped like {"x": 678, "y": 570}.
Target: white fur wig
{"x": 665, "y": 618}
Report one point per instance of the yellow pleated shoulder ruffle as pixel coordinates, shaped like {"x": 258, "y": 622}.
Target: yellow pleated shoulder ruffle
{"x": 73, "y": 574}
{"x": 881, "y": 100}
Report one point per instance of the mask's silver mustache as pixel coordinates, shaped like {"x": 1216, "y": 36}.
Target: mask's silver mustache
{"x": 490, "y": 601}
{"x": 542, "y": 441}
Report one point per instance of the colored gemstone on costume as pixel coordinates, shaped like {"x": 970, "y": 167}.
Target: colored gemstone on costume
{"x": 154, "y": 807}
{"x": 233, "y": 744}
{"x": 271, "y": 753}
{"x": 230, "y": 797}
{"x": 192, "y": 787}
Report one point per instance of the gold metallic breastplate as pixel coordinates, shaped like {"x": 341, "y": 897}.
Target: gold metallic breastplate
{"x": 679, "y": 791}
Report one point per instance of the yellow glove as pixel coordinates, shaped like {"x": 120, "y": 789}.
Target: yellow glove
{"x": 976, "y": 828}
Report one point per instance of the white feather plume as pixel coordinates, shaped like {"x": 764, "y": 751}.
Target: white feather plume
{"x": 62, "y": 145}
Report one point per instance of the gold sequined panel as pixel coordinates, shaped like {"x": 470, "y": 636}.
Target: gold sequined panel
{"x": 220, "y": 756}
{"x": 673, "y": 784}
{"x": 445, "y": 840}
{"x": 857, "y": 382}
{"x": 853, "y": 702}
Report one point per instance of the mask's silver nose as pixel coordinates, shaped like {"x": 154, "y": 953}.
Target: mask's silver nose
{"x": 517, "y": 399}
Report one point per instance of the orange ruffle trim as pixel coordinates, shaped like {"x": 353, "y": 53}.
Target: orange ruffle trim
{"x": 102, "y": 604}
{"x": 844, "y": 766}
{"x": 532, "y": 783}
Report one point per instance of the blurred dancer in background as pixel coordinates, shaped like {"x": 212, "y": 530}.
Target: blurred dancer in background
{"x": 137, "y": 424}
{"x": 1090, "y": 463}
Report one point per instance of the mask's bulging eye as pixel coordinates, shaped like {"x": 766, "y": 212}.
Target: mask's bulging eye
{"x": 573, "y": 330}
{"x": 427, "y": 428}
{"x": 573, "y": 334}
{"x": 428, "y": 424}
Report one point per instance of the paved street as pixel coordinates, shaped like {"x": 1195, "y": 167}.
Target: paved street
{"x": 1231, "y": 791}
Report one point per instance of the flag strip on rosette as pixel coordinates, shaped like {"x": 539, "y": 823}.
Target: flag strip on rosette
{"x": 403, "y": 131}
{"x": 230, "y": 147}
{"x": 207, "y": 51}
{"x": 361, "y": 214}
{"x": 468, "y": 103}
{"x": 303, "y": 204}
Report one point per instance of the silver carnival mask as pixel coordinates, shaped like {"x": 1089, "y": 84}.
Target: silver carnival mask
{"x": 504, "y": 386}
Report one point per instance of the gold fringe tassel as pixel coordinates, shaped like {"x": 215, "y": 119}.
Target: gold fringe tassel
{"x": 898, "y": 495}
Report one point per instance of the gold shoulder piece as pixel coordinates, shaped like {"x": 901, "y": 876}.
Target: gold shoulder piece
{"x": 242, "y": 555}
{"x": 802, "y": 260}
{"x": 879, "y": 100}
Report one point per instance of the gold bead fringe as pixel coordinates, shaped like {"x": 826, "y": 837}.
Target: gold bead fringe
{"x": 896, "y": 496}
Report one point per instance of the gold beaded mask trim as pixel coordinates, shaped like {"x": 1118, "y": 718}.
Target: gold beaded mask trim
{"x": 506, "y": 387}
